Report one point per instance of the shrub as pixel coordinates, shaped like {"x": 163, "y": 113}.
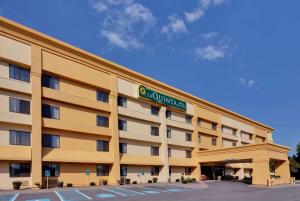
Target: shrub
{"x": 185, "y": 181}
{"x": 104, "y": 182}
{"x": 154, "y": 180}
{"x": 38, "y": 184}
{"x": 149, "y": 181}
{"x": 194, "y": 180}
{"x": 16, "y": 185}
{"x": 60, "y": 184}
{"x": 92, "y": 184}
{"x": 69, "y": 185}
{"x": 188, "y": 180}
{"x": 134, "y": 182}
{"x": 182, "y": 179}
{"x": 127, "y": 181}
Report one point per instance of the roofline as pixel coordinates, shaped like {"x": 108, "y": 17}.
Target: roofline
{"x": 48, "y": 39}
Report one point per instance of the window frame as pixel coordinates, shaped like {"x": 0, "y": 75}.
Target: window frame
{"x": 102, "y": 145}
{"x": 168, "y": 114}
{"x": 214, "y": 141}
{"x": 121, "y": 123}
{"x": 19, "y": 107}
{"x": 44, "y": 135}
{"x": 155, "y": 110}
{"x": 169, "y": 152}
{"x": 18, "y": 75}
{"x": 188, "y": 137}
{"x": 19, "y": 135}
{"x": 24, "y": 174}
{"x": 122, "y": 101}
{"x": 154, "y": 170}
{"x": 169, "y": 133}
{"x": 53, "y": 171}
{"x": 102, "y": 96}
{"x": 154, "y": 151}
{"x": 50, "y": 82}
{"x": 100, "y": 172}
{"x": 154, "y": 131}
{"x": 122, "y": 148}
{"x": 106, "y": 123}
{"x": 188, "y": 154}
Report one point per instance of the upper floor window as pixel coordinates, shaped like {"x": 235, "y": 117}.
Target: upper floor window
{"x": 122, "y": 125}
{"x": 122, "y": 148}
{"x": 102, "y": 170}
{"x": 102, "y": 145}
{"x": 102, "y": 96}
{"x": 214, "y": 126}
{"x": 19, "y": 73}
{"x": 53, "y": 168}
{"x": 169, "y": 133}
{"x": 154, "y": 151}
{"x": 154, "y": 110}
{"x": 123, "y": 170}
{"x": 50, "y": 111}
{"x": 229, "y": 130}
{"x": 188, "y": 119}
{"x": 199, "y": 138}
{"x": 102, "y": 121}
{"x": 154, "y": 131}
{"x": 154, "y": 171}
{"x": 199, "y": 122}
{"x": 214, "y": 141}
{"x": 187, "y": 171}
{"x": 169, "y": 152}
{"x": 188, "y": 137}
{"x": 19, "y": 105}
{"x": 188, "y": 154}
{"x": 168, "y": 114}
{"x": 50, "y": 82}
{"x": 122, "y": 101}
{"x": 51, "y": 141}
{"x": 19, "y": 138}
{"x": 19, "y": 169}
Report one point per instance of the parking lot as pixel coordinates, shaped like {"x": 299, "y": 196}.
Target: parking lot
{"x": 210, "y": 191}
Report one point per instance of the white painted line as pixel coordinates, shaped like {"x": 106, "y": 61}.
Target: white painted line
{"x": 59, "y": 196}
{"x": 132, "y": 191}
{"x": 84, "y": 195}
{"x": 15, "y": 197}
{"x": 153, "y": 189}
{"x": 114, "y": 192}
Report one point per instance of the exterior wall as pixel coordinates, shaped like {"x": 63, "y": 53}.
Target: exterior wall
{"x": 140, "y": 174}
{"x": 206, "y": 141}
{"x": 177, "y": 173}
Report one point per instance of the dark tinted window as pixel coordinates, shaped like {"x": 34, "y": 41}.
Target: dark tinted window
{"x": 102, "y": 145}
{"x": 102, "y": 96}
{"x": 123, "y": 148}
{"x": 53, "y": 168}
{"x": 154, "y": 110}
{"x": 188, "y": 154}
{"x": 188, "y": 171}
{"x": 122, "y": 101}
{"x": 154, "y": 151}
{"x": 169, "y": 132}
{"x": 19, "y": 138}
{"x": 122, "y": 125}
{"x": 50, "y": 82}
{"x": 19, "y": 105}
{"x": 154, "y": 171}
{"x": 19, "y": 73}
{"x": 168, "y": 114}
{"x": 188, "y": 137}
{"x": 50, "y": 111}
{"x": 123, "y": 170}
{"x": 102, "y": 121}
{"x": 19, "y": 169}
{"x": 102, "y": 170}
{"x": 154, "y": 131}
{"x": 50, "y": 141}
{"x": 188, "y": 119}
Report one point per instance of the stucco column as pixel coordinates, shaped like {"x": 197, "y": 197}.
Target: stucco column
{"x": 239, "y": 137}
{"x": 283, "y": 170}
{"x": 114, "y": 175}
{"x": 261, "y": 171}
{"x": 196, "y": 170}
{"x": 36, "y": 102}
{"x": 163, "y": 150}
{"x": 219, "y": 132}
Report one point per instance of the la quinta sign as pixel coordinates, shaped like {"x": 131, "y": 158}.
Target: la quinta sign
{"x": 161, "y": 98}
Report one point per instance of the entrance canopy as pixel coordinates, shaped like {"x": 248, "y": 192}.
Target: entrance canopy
{"x": 259, "y": 155}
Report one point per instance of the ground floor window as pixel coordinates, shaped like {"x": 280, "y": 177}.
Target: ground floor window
{"x": 19, "y": 169}
{"x": 188, "y": 171}
{"x": 53, "y": 168}
{"x": 154, "y": 171}
{"x": 102, "y": 170}
{"x": 123, "y": 170}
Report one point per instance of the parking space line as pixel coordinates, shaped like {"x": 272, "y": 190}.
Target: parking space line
{"x": 132, "y": 191}
{"x": 59, "y": 196}
{"x": 114, "y": 192}
{"x": 14, "y": 197}
{"x": 153, "y": 189}
{"x": 84, "y": 195}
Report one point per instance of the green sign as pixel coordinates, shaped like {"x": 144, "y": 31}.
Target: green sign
{"x": 47, "y": 173}
{"x": 161, "y": 98}
{"x": 87, "y": 172}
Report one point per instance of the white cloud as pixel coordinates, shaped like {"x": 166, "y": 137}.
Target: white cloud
{"x": 194, "y": 15}
{"x": 210, "y": 53}
{"x": 206, "y": 3}
{"x": 210, "y": 35}
{"x": 248, "y": 83}
{"x": 124, "y": 22}
{"x": 175, "y": 26}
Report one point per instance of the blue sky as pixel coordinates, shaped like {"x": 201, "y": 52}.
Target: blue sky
{"x": 242, "y": 55}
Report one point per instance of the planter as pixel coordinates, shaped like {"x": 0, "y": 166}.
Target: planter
{"x": 134, "y": 182}
{"x": 127, "y": 181}
{"x": 60, "y": 184}
{"x": 104, "y": 182}
{"x": 16, "y": 185}
{"x": 69, "y": 185}
{"x": 154, "y": 180}
{"x": 92, "y": 184}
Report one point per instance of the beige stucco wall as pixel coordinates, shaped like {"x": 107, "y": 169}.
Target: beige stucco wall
{"x": 178, "y": 152}
{"x": 4, "y": 132}
{"x": 134, "y": 173}
{"x": 177, "y": 172}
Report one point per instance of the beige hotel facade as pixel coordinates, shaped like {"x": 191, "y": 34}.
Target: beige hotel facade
{"x": 85, "y": 119}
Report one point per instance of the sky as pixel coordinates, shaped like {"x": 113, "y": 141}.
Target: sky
{"x": 240, "y": 54}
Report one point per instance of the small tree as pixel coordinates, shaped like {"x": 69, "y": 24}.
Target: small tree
{"x": 298, "y": 152}
{"x": 294, "y": 165}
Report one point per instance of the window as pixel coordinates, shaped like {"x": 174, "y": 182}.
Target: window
{"x": 53, "y": 168}
{"x": 199, "y": 121}
{"x": 154, "y": 151}
{"x": 19, "y": 138}
{"x": 19, "y": 105}
{"x": 122, "y": 125}
{"x": 168, "y": 114}
{"x": 188, "y": 154}
{"x": 19, "y": 73}
{"x": 102, "y": 121}
{"x": 122, "y": 101}
{"x": 102, "y": 145}
{"x": 188, "y": 137}
{"x": 250, "y": 137}
{"x": 199, "y": 138}
{"x": 50, "y": 82}
{"x": 188, "y": 119}
{"x": 102, "y": 96}
{"x": 154, "y": 171}
{"x": 169, "y": 152}
{"x": 170, "y": 171}
{"x": 50, "y": 140}
{"x": 214, "y": 126}
{"x": 154, "y": 131}
{"x": 102, "y": 170}
{"x": 123, "y": 170}
{"x": 19, "y": 169}
{"x": 50, "y": 111}
{"x": 154, "y": 110}
{"x": 123, "y": 148}
{"x": 168, "y": 133}
{"x": 214, "y": 141}
{"x": 188, "y": 171}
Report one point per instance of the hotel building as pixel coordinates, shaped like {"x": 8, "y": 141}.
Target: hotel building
{"x": 80, "y": 118}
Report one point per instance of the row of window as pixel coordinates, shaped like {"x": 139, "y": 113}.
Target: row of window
{"x": 154, "y": 170}
{"x": 213, "y": 140}
{"x": 213, "y": 125}
{"x": 188, "y": 153}
{"x": 24, "y": 170}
